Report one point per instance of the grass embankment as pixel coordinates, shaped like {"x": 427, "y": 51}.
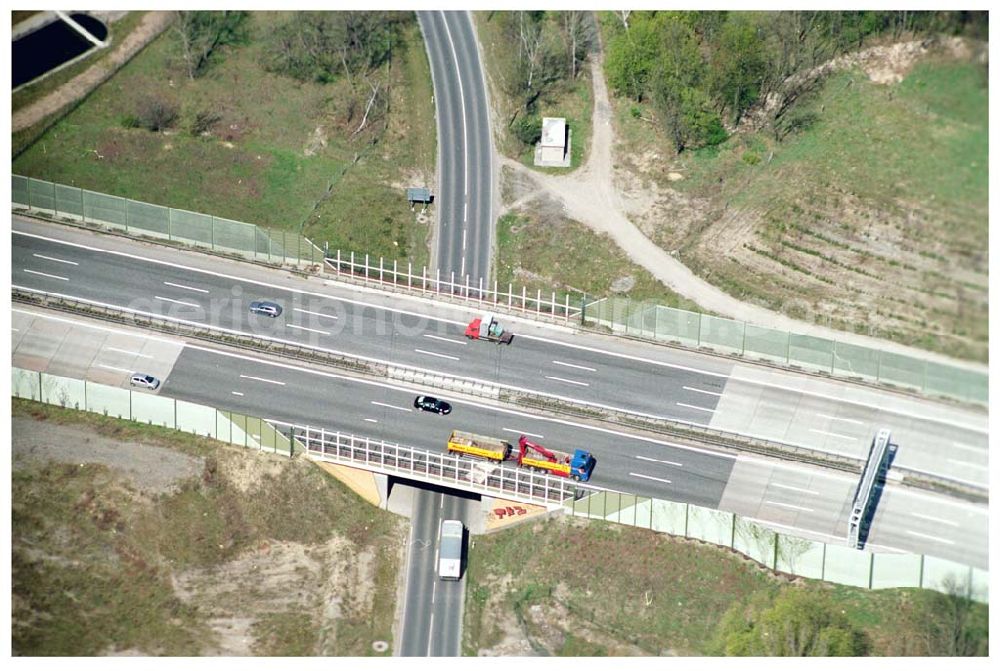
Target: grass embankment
{"x": 570, "y": 99}
{"x": 873, "y": 219}
{"x": 282, "y": 154}
{"x": 544, "y": 250}
{"x": 575, "y": 587}
{"x": 247, "y": 558}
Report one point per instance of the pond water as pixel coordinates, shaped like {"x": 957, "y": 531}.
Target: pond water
{"x": 36, "y": 53}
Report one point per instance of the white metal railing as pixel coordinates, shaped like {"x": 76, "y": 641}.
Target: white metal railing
{"x": 554, "y": 304}
{"x": 428, "y": 466}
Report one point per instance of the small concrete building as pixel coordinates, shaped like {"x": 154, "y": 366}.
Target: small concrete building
{"x": 554, "y": 148}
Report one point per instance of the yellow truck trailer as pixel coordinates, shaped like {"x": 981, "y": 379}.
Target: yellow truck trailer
{"x": 474, "y": 445}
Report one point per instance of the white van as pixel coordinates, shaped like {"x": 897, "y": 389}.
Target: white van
{"x": 450, "y": 549}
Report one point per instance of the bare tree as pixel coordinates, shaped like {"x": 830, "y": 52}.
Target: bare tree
{"x": 623, "y": 14}
{"x": 202, "y": 33}
{"x": 579, "y": 35}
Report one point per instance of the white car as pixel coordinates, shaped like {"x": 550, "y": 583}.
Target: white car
{"x": 145, "y": 381}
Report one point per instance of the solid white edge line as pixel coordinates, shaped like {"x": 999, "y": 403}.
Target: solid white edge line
{"x": 96, "y": 327}
{"x": 424, "y": 370}
{"x": 550, "y": 340}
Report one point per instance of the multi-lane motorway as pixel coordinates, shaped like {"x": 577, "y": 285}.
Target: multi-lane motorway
{"x": 644, "y": 378}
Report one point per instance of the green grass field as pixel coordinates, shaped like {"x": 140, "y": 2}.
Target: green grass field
{"x": 94, "y": 560}
{"x": 873, "y": 219}
{"x": 546, "y": 252}
{"x": 575, "y": 587}
{"x": 282, "y": 154}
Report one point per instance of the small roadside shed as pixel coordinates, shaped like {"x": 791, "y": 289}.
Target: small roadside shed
{"x": 419, "y": 194}
{"x": 553, "y": 149}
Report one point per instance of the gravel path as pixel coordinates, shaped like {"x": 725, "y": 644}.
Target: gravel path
{"x": 590, "y": 196}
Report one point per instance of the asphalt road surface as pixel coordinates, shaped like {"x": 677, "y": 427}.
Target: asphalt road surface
{"x": 794, "y": 498}
{"x": 828, "y": 415}
{"x": 463, "y": 198}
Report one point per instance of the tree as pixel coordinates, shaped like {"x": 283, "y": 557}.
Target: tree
{"x": 799, "y": 623}
{"x": 631, "y": 59}
{"x": 579, "y": 35}
{"x": 738, "y": 65}
{"x": 202, "y": 34}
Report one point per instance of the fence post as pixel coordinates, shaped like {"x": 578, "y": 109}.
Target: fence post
{"x": 566, "y": 311}
{"x": 381, "y": 264}
{"x": 510, "y": 294}
{"x": 437, "y": 284}
{"x": 732, "y": 538}
{"x": 170, "y": 223}
{"x": 524, "y": 298}
{"x": 687, "y": 507}
{"x": 352, "y": 264}
{"x": 480, "y": 291}
{"x": 423, "y": 279}
{"x": 496, "y": 296}
{"x": 409, "y": 274}
{"x": 466, "y": 285}
{"x": 538, "y": 303}
{"x": 777, "y": 537}
{"x": 338, "y": 263}
{"x": 395, "y": 274}
{"x": 871, "y": 569}
{"x": 366, "y": 268}
{"x": 213, "y": 233}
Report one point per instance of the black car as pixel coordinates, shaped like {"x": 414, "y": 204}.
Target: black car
{"x": 431, "y": 404}
{"x": 266, "y": 308}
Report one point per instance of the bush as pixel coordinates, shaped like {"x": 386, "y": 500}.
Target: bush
{"x": 204, "y": 121}
{"x": 635, "y": 111}
{"x": 528, "y": 129}
{"x": 751, "y": 158}
{"x": 156, "y": 114}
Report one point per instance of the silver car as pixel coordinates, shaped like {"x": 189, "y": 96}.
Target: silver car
{"x": 266, "y": 308}
{"x": 144, "y": 381}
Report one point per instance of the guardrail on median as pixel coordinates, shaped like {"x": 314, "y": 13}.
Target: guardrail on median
{"x": 641, "y": 319}
{"x": 789, "y": 554}
{"x": 549, "y": 403}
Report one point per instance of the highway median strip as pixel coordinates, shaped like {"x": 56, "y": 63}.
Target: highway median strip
{"x": 504, "y": 393}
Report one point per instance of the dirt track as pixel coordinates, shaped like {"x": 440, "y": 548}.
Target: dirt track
{"x": 592, "y": 196}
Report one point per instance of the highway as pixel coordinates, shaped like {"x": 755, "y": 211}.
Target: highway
{"x": 940, "y": 439}
{"x": 433, "y": 608}
{"x": 794, "y": 498}
{"x": 463, "y": 199}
